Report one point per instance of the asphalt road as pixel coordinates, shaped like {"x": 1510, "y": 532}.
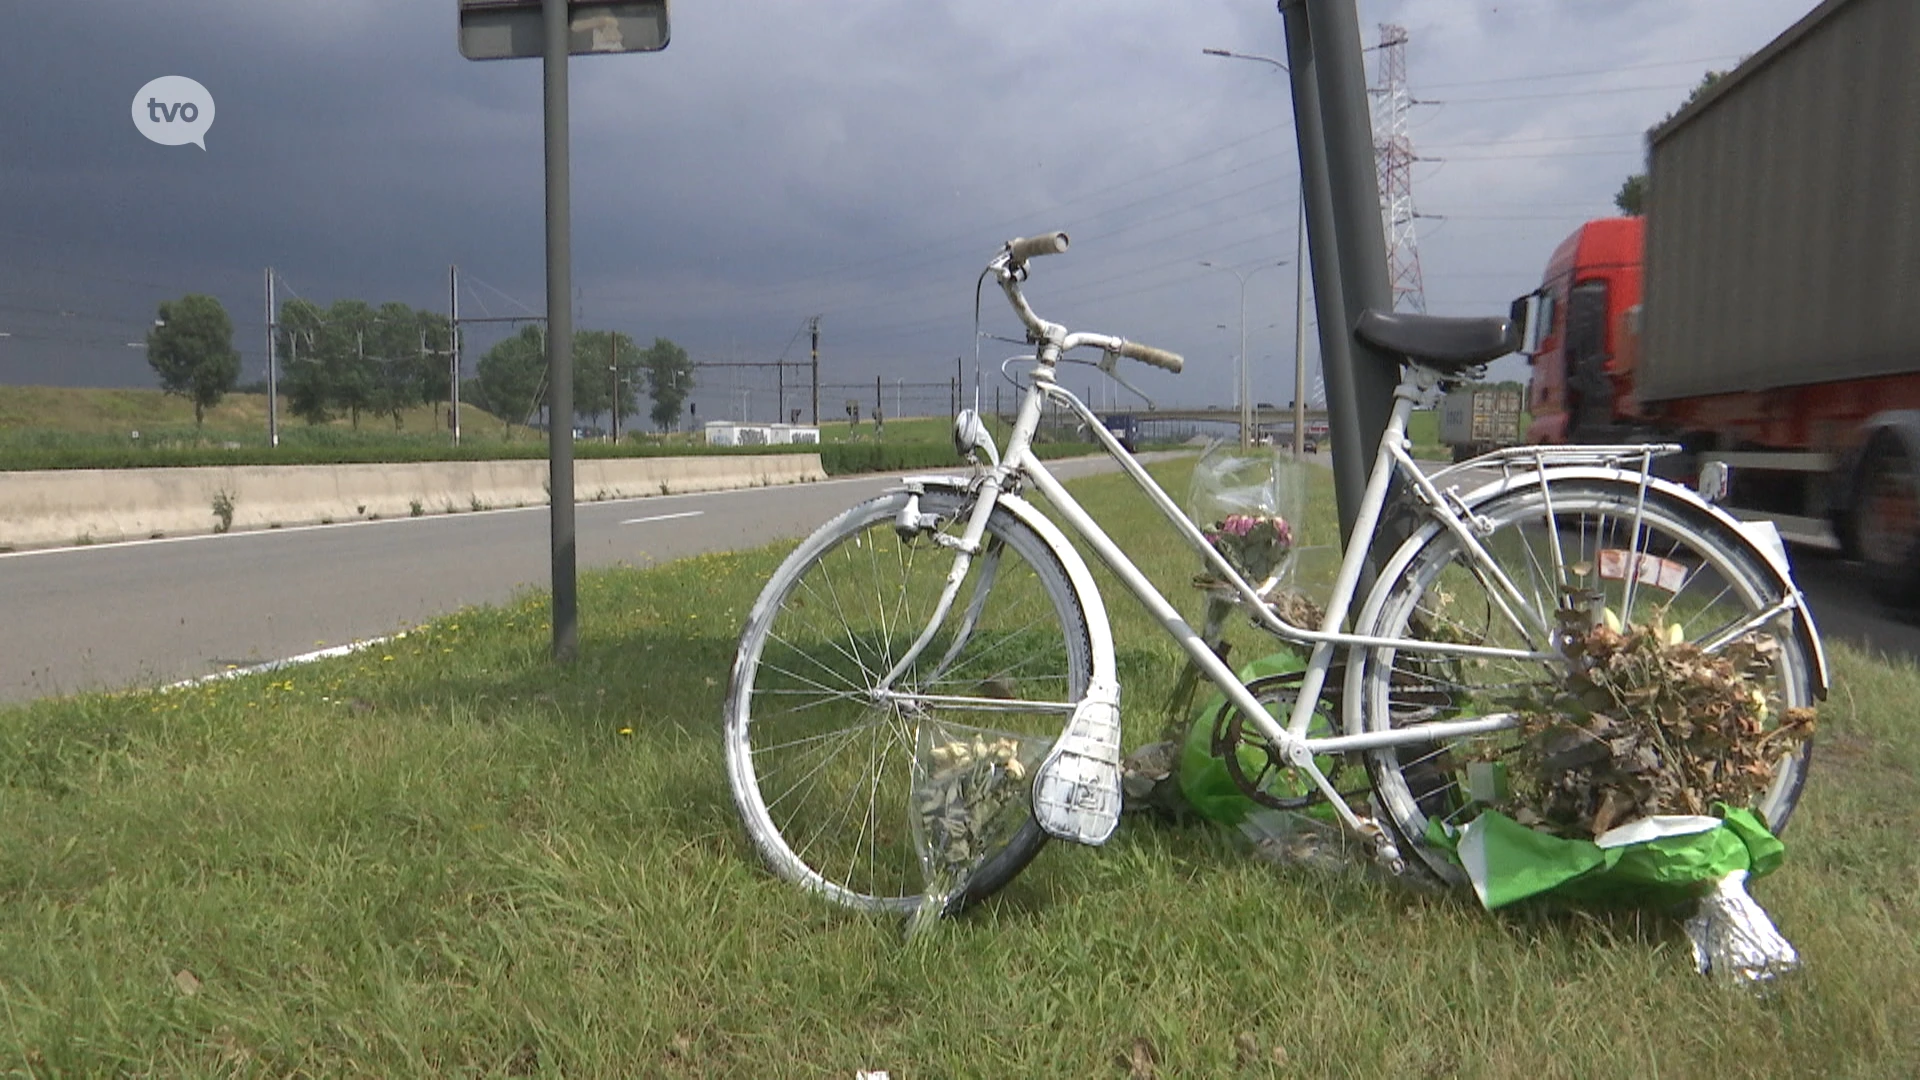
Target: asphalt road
{"x": 153, "y": 612}
{"x": 1845, "y": 607}
{"x": 150, "y": 612}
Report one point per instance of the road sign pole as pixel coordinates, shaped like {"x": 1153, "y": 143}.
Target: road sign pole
{"x": 1343, "y": 223}
{"x": 453, "y": 352}
{"x": 566, "y": 612}
{"x": 1300, "y": 271}
{"x": 273, "y": 381}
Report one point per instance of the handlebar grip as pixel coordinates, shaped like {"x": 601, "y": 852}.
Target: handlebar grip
{"x": 1147, "y": 354}
{"x": 1023, "y": 248}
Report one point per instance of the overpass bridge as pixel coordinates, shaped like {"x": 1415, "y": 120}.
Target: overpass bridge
{"x": 1266, "y": 420}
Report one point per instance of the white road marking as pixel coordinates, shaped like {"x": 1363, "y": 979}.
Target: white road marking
{"x": 276, "y": 665}
{"x": 663, "y": 517}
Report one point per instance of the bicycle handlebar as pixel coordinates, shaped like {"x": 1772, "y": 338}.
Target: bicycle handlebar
{"x": 1009, "y": 267}
{"x": 1147, "y": 354}
{"x": 1020, "y": 249}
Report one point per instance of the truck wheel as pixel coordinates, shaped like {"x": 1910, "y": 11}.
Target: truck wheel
{"x": 1886, "y": 517}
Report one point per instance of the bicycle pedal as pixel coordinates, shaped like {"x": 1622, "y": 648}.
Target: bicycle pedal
{"x": 1077, "y": 793}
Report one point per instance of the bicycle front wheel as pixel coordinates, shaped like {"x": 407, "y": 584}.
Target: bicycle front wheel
{"x": 1693, "y": 572}
{"x": 829, "y": 760}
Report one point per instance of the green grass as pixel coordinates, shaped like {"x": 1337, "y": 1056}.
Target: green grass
{"x": 447, "y": 857}
{"x": 76, "y": 412}
{"x": 1423, "y": 431}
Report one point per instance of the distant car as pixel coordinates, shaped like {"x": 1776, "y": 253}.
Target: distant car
{"x": 1125, "y": 428}
{"x": 1311, "y": 445}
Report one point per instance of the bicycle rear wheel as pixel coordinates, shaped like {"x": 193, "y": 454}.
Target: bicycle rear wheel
{"x": 1694, "y": 573}
{"x": 830, "y": 769}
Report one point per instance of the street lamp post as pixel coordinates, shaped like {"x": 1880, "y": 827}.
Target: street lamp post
{"x": 1246, "y": 395}
{"x": 1299, "y": 289}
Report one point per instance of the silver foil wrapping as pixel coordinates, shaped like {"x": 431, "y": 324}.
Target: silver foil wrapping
{"x": 1734, "y": 940}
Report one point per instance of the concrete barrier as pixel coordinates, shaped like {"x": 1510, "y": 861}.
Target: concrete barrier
{"x": 66, "y": 506}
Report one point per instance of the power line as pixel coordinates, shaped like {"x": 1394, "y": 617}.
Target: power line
{"x": 1591, "y": 72}
{"x": 1539, "y": 139}
{"x": 1533, "y": 157}
{"x": 1557, "y": 94}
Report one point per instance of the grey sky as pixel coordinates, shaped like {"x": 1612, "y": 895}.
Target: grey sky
{"x": 859, "y": 161}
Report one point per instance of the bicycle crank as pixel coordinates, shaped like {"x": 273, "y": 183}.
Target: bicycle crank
{"x": 1257, "y": 767}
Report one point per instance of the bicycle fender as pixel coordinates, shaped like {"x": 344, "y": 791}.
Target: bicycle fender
{"x": 1761, "y": 538}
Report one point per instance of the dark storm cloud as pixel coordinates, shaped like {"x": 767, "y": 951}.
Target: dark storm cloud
{"x": 858, "y": 161}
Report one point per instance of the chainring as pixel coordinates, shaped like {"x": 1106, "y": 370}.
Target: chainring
{"x": 1231, "y": 733}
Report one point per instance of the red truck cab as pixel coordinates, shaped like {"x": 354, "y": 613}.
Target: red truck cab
{"x": 1582, "y": 383}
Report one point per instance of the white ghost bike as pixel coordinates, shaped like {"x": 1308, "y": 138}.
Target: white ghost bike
{"x": 950, "y": 621}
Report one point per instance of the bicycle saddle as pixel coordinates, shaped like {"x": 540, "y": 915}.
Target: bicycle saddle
{"x": 1444, "y": 343}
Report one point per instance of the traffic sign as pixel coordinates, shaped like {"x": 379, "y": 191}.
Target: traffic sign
{"x": 509, "y": 29}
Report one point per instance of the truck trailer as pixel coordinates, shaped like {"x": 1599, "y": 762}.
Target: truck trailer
{"x": 1763, "y": 313}
{"x": 1477, "y": 419}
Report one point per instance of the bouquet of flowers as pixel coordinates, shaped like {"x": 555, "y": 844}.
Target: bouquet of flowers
{"x": 1648, "y": 725}
{"x": 1255, "y": 545}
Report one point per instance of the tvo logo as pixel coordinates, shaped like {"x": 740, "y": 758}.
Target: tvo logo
{"x": 174, "y": 110}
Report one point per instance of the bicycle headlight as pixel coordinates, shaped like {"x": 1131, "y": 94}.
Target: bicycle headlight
{"x": 970, "y": 435}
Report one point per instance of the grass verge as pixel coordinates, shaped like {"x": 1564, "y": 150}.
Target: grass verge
{"x": 446, "y": 856}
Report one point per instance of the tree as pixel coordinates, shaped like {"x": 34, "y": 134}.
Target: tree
{"x": 304, "y": 378}
{"x": 350, "y": 357}
{"x": 191, "y": 348}
{"x": 394, "y": 346}
{"x": 352, "y": 378}
{"x": 1631, "y": 199}
{"x": 436, "y": 336}
{"x": 513, "y": 375}
{"x": 594, "y": 352}
{"x": 669, "y": 381}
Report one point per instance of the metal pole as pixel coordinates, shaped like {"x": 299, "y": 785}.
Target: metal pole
{"x": 815, "y": 323}
{"x": 1349, "y": 457}
{"x": 1246, "y": 381}
{"x": 273, "y": 384}
{"x": 1300, "y": 332}
{"x": 1360, "y": 378}
{"x": 453, "y": 348}
{"x": 566, "y": 614}
{"x": 613, "y": 366}
{"x": 1246, "y": 394}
